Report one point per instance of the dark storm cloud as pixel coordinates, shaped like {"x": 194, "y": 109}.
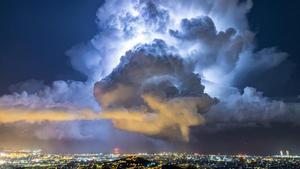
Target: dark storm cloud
{"x": 214, "y": 48}
{"x": 252, "y": 108}
{"x": 154, "y": 17}
{"x": 153, "y": 88}
{"x": 196, "y": 28}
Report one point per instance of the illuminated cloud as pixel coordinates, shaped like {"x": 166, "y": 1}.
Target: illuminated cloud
{"x": 212, "y": 38}
{"x": 66, "y": 95}
{"x": 12, "y": 115}
{"x": 212, "y": 35}
{"x": 177, "y": 114}
{"x": 252, "y": 108}
{"x": 155, "y": 67}
{"x": 152, "y": 91}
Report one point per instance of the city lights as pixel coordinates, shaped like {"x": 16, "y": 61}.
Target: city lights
{"x": 39, "y": 159}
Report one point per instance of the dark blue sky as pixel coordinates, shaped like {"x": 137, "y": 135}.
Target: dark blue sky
{"x": 276, "y": 24}
{"x": 35, "y": 34}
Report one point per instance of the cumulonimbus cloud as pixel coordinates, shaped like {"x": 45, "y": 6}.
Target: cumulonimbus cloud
{"x": 178, "y": 54}
{"x": 152, "y": 91}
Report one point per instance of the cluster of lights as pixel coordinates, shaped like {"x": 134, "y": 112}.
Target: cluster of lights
{"x": 39, "y": 159}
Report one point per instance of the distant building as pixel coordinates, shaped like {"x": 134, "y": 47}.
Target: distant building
{"x": 281, "y": 153}
{"x": 116, "y": 151}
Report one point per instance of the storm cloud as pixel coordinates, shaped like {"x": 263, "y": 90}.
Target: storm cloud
{"x": 213, "y": 41}
{"x": 151, "y": 91}
{"x": 159, "y": 68}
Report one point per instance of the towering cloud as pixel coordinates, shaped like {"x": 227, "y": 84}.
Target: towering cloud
{"x": 159, "y": 67}
{"x": 152, "y": 90}
{"x": 213, "y": 40}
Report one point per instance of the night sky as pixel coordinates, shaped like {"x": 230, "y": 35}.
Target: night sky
{"x": 35, "y": 36}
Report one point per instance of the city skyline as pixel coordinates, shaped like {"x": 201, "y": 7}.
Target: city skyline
{"x": 38, "y": 159}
